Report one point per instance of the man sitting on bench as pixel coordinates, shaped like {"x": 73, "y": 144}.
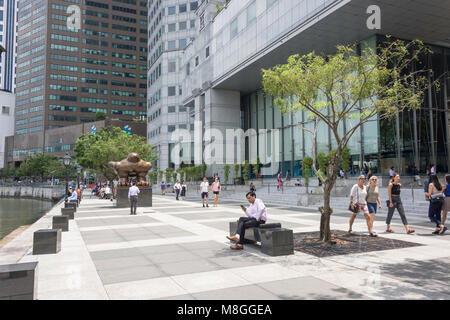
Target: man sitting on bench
{"x": 256, "y": 215}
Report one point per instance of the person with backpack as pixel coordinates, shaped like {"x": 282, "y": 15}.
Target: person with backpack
{"x": 436, "y": 201}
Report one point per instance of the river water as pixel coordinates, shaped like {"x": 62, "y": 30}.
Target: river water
{"x": 19, "y": 212}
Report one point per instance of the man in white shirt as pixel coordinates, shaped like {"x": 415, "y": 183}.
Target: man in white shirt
{"x": 74, "y": 195}
{"x": 133, "y": 196}
{"x": 177, "y": 188}
{"x": 256, "y": 215}
{"x": 108, "y": 192}
{"x": 204, "y": 189}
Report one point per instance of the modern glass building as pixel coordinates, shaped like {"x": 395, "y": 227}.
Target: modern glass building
{"x": 222, "y": 77}
{"x": 172, "y": 24}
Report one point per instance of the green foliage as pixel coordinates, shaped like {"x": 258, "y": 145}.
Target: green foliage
{"x": 346, "y": 158}
{"x": 256, "y": 167}
{"x": 203, "y": 168}
{"x": 246, "y": 170}
{"x": 160, "y": 174}
{"x": 43, "y": 166}
{"x": 307, "y": 164}
{"x": 99, "y": 115}
{"x": 181, "y": 172}
{"x": 169, "y": 174}
{"x": 236, "y": 168}
{"x": 226, "y": 171}
{"x": 110, "y": 144}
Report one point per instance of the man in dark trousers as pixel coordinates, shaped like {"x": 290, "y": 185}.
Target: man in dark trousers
{"x": 133, "y": 196}
{"x": 256, "y": 215}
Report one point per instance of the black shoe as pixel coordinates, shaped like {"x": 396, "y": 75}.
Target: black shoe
{"x": 207, "y": 206}
{"x": 436, "y": 232}
{"x": 443, "y": 231}
{"x": 203, "y": 206}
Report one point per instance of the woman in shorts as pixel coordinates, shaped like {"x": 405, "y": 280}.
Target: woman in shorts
{"x": 216, "y": 187}
{"x": 373, "y": 198}
{"x": 358, "y": 197}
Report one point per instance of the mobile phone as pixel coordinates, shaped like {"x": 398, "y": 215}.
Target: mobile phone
{"x": 242, "y": 206}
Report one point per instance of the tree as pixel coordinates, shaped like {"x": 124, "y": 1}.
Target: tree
{"x": 181, "y": 171}
{"x": 347, "y": 89}
{"x": 307, "y": 164}
{"x": 246, "y": 170}
{"x": 256, "y": 168}
{"x": 110, "y": 144}
{"x": 226, "y": 171}
{"x": 99, "y": 115}
{"x": 160, "y": 174}
{"x": 236, "y": 168}
{"x": 169, "y": 174}
{"x": 203, "y": 168}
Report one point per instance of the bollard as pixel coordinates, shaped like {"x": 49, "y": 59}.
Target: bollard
{"x": 47, "y": 241}
{"x": 18, "y": 281}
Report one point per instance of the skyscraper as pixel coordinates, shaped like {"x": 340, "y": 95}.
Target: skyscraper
{"x": 172, "y": 26}
{"x": 76, "y": 58}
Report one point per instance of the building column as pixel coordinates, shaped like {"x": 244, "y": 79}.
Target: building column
{"x": 430, "y": 106}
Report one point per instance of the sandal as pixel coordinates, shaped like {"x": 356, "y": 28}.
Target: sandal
{"x": 390, "y": 231}
{"x": 410, "y": 231}
{"x": 373, "y": 235}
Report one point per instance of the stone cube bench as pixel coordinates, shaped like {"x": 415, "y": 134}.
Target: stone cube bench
{"x": 69, "y": 212}
{"x": 70, "y": 205}
{"x": 18, "y": 281}
{"x": 47, "y": 241}
{"x": 60, "y": 222}
{"x": 275, "y": 240}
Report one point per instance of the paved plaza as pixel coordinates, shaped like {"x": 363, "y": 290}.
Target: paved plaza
{"x": 178, "y": 250}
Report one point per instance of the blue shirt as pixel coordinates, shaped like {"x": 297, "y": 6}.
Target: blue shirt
{"x": 74, "y": 196}
{"x": 425, "y": 185}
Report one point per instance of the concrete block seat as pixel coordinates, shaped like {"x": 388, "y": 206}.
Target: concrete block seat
{"x": 47, "y": 241}
{"x": 70, "y": 205}
{"x": 274, "y": 240}
{"x": 69, "y": 212}
{"x": 61, "y": 222}
{"x": 75, "y": 201}
{"x": 18, "y": 281}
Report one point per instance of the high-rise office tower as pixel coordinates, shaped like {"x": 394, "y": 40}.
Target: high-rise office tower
{"x": 76, "y": 58}
{"x": 172, "y": 25}
{"x": 8, "y": 33}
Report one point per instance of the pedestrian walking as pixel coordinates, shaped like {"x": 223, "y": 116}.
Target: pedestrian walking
{"x": 394, "y": 202}
{"x": 133, "y": 193}
{"x": 183, "y": 190}
{"x": 446, "y": 206}
{"x": 358, "y": 203}
{"x": 177, "y": 188}
{"x": 279, "y": 181}
{"x": 204, "y": 190}
{"x": 163, "y": 188}
{"x": 433, "y": 169}
{"x": 392, "y": 173}
{"x": 373, "y": 198}
{"x": 252, "y": 187}
{"x": 216, "y": 188}
{"x": 436, "y": 201}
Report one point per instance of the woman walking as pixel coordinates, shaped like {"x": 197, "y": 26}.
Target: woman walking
{"x": 373, "y": 198}
{"x": 446, "y": 206}
{"x": 358, "y": 203}
{"x": 183, "y": 190}
{"x": 436, "y": 201}
{"x": 394, "y": 202}
{"x": 216, "y": 187}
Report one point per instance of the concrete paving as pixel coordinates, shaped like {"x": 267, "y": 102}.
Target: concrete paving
{"x": 178, "y": 250}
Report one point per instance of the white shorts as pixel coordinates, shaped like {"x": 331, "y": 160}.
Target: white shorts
{"x": 364, "y": 208}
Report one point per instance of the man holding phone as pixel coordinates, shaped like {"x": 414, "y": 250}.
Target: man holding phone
{"x": 256, "y": 215}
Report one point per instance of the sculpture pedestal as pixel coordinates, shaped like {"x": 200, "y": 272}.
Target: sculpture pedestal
{"x": 144, "y": 197}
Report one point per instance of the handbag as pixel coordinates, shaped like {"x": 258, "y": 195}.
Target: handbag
{"x": 356, "y": 208}
{"x": 437, "y": 198}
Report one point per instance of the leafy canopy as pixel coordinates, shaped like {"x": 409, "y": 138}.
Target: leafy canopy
{"x": 110, "y": 144}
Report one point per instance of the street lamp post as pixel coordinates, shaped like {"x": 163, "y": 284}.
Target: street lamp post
{"x": 67, "y": 160}
{"x": 78, "y": 176}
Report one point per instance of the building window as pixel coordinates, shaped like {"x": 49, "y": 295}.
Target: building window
{"x": 172, "y": 27}
{"x": 192, "y": 24}
{"x": 171, "y": 10}
{"x": 183, "y": 25}
{"x": 172, "y": 45}
{"x": 172, "y": 66}
{"x": 171, "y": 91}
{"x": 171, "y": 109}
{"x": 194, "y": 5}
{"x": 197, "y": 61}
{"x": 171, "y": 128}
{"x": 182, "y": 43}
{"x": 207, "y": 52}
{"x": 251, "y": 12}
{"x": 5, "y": 110}
{"x": 183, "y": 8}
{"x": 234, "y": 28}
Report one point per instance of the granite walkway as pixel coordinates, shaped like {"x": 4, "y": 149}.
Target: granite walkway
{"x": 178, "y": 250}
